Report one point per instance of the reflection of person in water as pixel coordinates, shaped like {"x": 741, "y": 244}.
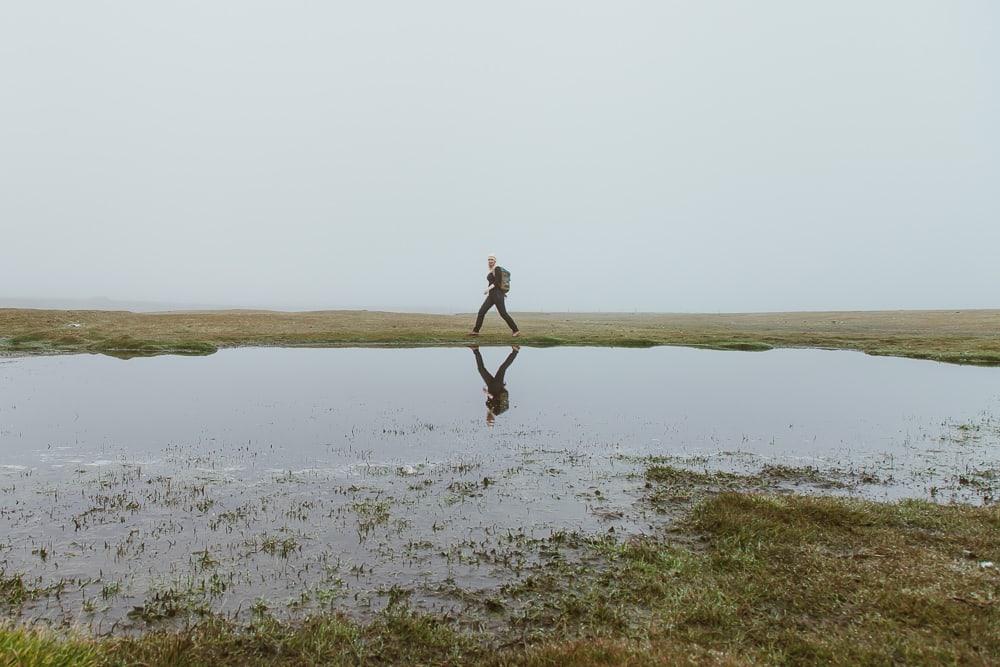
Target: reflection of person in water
{"x": 497, "y": 399}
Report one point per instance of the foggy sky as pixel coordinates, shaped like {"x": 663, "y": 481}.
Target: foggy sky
{"x": 658, "y": 156}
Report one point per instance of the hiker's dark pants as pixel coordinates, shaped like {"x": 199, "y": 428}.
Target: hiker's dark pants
{"x": 494, "y": 383}
{"x": 494, "y": 298}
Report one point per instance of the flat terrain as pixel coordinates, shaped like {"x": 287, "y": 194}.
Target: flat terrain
{"x": 743, "y": 578}
{"x": 771, "y": 566}
{"x": 956, "y": 336}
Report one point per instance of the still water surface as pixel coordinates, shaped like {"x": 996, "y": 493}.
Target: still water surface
{"x": 287, "y": 469}
{"x": 334, "y": 408}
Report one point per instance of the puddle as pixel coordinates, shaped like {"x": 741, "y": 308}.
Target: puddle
{"x": 139, "y": 491}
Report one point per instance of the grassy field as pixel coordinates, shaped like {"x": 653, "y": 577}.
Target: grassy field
{"x": 963, "y": 337}
{"x": 742, "y": 578}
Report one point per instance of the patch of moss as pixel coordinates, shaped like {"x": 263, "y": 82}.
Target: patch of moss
{"x": 126, "y": 347}
{"x": 665, "y": 474}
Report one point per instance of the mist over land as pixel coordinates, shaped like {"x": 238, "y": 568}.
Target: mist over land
{"x": 681, "y": 157}
{"x": 104, "y": 303}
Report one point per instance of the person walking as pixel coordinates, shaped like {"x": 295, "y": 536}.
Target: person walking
{"x": 495, "y": 296}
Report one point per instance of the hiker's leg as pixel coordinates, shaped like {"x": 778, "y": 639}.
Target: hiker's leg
{"x": 502, "y": 371}
{"x": 502, "y": 309}
{"x": 483, "y": 373}
{"x": 482, "y": 312}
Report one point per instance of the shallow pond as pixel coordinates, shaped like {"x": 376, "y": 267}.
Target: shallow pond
{"x": 133, "y": 491}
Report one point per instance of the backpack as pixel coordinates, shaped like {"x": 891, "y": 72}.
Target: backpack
{"x": 504, "y": 283}
{"x": 499, "y": 403}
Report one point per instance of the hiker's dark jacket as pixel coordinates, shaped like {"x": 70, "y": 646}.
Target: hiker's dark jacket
{"x": 493, "y": 279}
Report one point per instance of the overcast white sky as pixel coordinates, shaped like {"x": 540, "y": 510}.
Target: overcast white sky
{"x": 659, "y": 156}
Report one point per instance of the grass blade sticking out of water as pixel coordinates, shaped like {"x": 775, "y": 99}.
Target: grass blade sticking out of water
{"x": 746, "y": 577}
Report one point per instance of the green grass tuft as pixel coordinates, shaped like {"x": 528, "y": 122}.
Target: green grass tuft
{"x": 743, "y": 579}
{"x": 21, "y": 647}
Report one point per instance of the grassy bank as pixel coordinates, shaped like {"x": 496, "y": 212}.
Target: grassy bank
{"x": 965, "y": 337}
{"x": 743, "y": 578}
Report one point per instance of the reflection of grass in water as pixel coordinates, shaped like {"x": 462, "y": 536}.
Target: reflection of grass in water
{"x": 737, "y": 345}
{"x": 123, "y": 346}
{"x": 127, "y": 347}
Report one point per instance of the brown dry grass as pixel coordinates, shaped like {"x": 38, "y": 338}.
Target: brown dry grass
{"x": 966, "y": 336}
